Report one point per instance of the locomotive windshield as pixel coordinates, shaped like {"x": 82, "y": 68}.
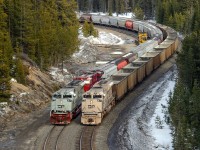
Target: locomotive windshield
{"x": 97, "y": 96}
{"x": 57, "y": 96}
{"x": 67, "y": 96}
{"x": 87, "y": 96}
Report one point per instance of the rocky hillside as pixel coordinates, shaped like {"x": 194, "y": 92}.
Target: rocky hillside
{"x": 25, "y": 99}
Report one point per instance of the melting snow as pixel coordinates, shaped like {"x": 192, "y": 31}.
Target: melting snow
{"x": 104, "y": 38}
{"x": 57, "y": 74}
{"x": 163, "y": 137}
{"x": 13, "y": 80}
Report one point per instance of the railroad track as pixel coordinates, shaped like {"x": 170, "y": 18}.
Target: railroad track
{"x": 86, "y": 138}
{"x": 120, "y": 30}
{"x": 51, "y": 141}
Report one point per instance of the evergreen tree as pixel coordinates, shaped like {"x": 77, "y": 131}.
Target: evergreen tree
{"x": 5, "y": 55}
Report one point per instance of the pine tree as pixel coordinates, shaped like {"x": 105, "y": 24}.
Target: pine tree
{"x": 5, "y": 55}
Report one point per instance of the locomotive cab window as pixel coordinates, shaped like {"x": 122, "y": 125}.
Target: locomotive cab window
{"x": 97, "y": 96}
{"x": 67, "y": 96}
{"x": 57, "y": 96}
{"x": 87, "y": 96}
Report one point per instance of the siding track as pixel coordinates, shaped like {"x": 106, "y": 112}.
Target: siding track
{"x": 86, "y": 138}
{"x": 51, "y": 141}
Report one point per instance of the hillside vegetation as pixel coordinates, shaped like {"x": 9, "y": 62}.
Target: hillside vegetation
{"x": 44, "y": 31}
{"x": 184, "y": 16}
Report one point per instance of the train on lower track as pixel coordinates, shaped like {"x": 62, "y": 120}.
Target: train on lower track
{"x": 95, "y": 92}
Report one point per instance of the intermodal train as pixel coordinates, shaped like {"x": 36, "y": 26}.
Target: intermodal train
{"x": 99, "y": 100}
{"x": 104, "y": 85}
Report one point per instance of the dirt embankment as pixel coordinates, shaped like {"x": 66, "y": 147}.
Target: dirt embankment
{"x": 26, "y": 98}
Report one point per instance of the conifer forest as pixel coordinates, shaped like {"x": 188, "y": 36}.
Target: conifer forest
{"x": 47, "y": 33}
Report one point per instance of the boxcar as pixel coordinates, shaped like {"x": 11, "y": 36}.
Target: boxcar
{"x": 113, "y": 21}
{"x": 105, "y": 20}
{"x": 96, "y": 19}
{"x": 136, "y": 26}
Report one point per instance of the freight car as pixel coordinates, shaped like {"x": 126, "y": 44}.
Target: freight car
{"x": 94, "y": 109}
{"x": 152, "y": 31}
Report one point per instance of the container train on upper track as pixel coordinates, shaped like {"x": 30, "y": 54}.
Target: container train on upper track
{"x": 97, "y": 91}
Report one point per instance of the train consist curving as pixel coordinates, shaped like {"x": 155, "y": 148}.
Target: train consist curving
{"x": 104, "y": 94}
{"x": 98, "y": 90}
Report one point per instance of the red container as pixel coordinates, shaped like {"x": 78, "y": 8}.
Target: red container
{"x": 122, "y": 64}
{"x": 129, "y": 24}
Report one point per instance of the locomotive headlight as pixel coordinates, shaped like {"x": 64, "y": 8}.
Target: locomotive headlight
{"x": 74, "y": 95}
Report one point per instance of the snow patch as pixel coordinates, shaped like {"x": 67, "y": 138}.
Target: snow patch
{"x": 60, "y": 76}
{"x": 104, "y": 38}
{"x": 125, "y": 15}
{"x": 162, "y": 134}
{"x": 13, "y": 80}
{"x": 23, "y": 94}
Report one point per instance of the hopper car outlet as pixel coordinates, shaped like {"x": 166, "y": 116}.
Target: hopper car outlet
{"x": 96, "y": 92}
